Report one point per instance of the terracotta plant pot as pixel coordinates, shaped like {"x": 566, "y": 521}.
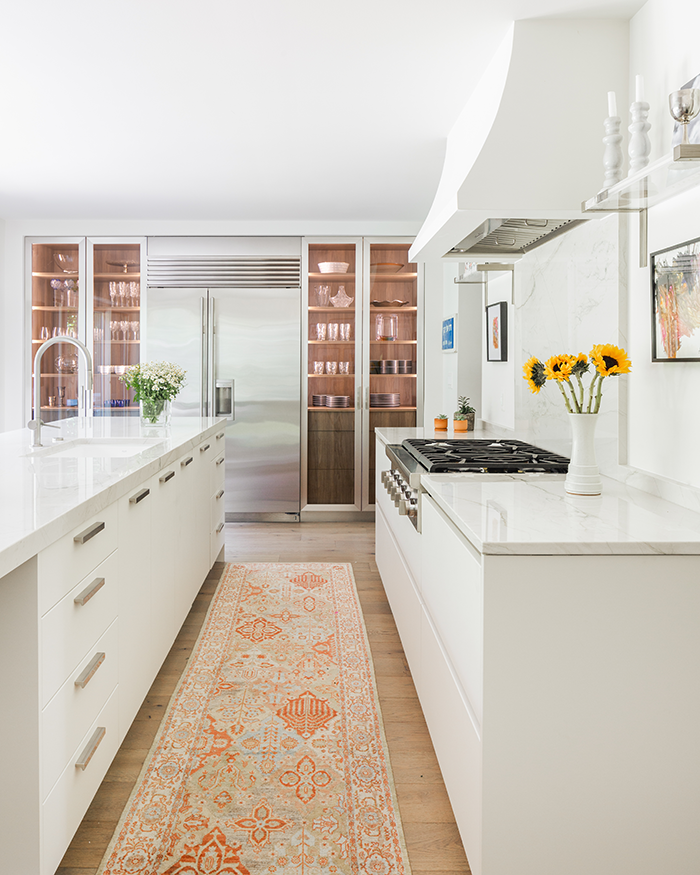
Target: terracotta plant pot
{"x": 440, "y": 424}
{"x": 461, "y": 424}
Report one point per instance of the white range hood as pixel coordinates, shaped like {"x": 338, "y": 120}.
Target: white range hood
{"x": 527, "y": 146}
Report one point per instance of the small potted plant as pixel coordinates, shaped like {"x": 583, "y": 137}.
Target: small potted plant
{"x": 441, "y": 422}
{"x": 463, "y": 418}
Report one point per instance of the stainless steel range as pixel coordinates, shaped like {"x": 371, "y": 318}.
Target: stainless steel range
{"x": 416, "y": 457}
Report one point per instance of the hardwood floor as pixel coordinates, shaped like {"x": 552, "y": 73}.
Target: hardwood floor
{"x": 432, "y": 838}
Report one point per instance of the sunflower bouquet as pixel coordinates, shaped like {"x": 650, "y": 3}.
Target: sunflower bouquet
{"x": 604, "y": 360}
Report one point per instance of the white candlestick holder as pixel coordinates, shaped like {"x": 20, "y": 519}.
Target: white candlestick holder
{"x": 640, "y": 145}
{"x": 612, "y": 154}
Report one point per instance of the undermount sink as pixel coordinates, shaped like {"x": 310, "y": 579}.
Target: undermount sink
{"x": 91, "y": 448}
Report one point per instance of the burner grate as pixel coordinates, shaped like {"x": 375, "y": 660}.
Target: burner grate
{"x": 487, "y": 456}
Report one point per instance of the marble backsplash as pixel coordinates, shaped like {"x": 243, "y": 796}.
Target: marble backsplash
{"x": 569, "y": 295}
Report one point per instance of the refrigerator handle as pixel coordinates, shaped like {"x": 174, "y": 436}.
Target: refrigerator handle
{"x": 211, "y": 340}
{"x": 203, "y": 345}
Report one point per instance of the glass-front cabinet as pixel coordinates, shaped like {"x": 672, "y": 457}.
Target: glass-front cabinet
{"x": 89, "y": 289}
{"x": 364, "y": 362}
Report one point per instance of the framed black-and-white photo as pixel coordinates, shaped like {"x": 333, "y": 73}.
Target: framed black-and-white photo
{"x": 675, "y": 303}
{"x": 497, "y": 332}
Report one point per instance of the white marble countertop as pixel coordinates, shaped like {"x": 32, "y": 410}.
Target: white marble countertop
{"x": 44, "y": 496}
{"x": 513, "y": 514}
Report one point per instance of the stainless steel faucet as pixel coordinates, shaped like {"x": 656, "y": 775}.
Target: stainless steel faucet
{"x": 36, "y": 423}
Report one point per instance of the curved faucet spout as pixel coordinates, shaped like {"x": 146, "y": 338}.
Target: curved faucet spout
{"x": 36, "y": 423}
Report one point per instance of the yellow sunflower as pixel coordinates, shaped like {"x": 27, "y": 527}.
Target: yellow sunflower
{"x": 533, "y": 372}
{"x": 559, "y": 367}
{"x": 610, "y": 360}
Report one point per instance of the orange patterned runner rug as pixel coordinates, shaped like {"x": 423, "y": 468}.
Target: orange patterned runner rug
{"x": 271, "y": 757}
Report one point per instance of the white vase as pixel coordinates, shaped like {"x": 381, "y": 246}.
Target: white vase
{"x": 583, "y": 477}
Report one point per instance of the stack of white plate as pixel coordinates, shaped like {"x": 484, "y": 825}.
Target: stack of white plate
{"x": 385, "y": 399}
{"x": 318, "y": 400}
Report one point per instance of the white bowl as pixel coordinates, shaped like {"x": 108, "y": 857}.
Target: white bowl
{"x": 333, "y": 267}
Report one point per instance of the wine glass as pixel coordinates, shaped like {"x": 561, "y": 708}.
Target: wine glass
{"x": 113, "y": 293}
{"x": 684, "y": 106}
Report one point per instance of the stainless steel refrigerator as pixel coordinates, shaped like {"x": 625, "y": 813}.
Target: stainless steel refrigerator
{"x": 241, "y": 350}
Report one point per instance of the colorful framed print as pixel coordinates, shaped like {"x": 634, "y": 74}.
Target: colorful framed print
{"x": 449, "y": 334}
{"x": 675, "y": 303}
{"x": 497, "y": 332}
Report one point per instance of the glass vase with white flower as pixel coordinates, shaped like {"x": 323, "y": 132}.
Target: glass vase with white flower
{"x": 155, "y": 384}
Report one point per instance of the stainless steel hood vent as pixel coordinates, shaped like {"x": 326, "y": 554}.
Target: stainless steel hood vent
{"x": 499, "y": 237}
{"x": 224, "y": 272}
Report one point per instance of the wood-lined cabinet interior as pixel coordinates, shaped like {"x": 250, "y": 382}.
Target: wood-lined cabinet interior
{"x": 90, "y": 290}
{"x": 363, "y": 362}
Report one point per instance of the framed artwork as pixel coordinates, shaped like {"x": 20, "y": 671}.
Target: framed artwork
{"x": 449, "y": 334}
{"x": 675, "y": 303}
{"x": 497, "y": 332}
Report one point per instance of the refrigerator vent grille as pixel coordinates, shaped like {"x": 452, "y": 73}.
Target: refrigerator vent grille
{"x": 226, "y": 272}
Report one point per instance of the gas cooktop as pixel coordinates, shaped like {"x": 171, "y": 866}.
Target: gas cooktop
{"x": 485, "y": 456}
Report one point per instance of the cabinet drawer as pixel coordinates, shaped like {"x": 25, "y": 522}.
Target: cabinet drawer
{"x": 218, "y": 539}
{"x": 68, "y": 560}
{"x": 217, "y": 513}
{"x": 67, "y": 717}
{"x": 218, "y": 473}
{"x": 66, "y": 804}
{"x": 75, "y": 623}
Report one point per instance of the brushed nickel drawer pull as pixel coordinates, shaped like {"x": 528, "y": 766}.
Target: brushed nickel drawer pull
{"x": 90, "y": 748}
{"x": 220, "y": 435}
{"x": 219, "y": 461}
{"x": 204, "y": 448}
{"x": 219, "y": 528}
{"x": 219, "y": 494}
{"x": 166, "y": 477}
{"x": 139, "y": 496}
{"x": 90, "y": 532}
{"x": 88, "y": 672}
{"x": 185, "y": 462}
{"x": 90, "y": 591}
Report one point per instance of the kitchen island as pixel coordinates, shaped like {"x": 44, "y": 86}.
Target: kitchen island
{"x": 554, "y": 644}
{"x": 105, "y": 539}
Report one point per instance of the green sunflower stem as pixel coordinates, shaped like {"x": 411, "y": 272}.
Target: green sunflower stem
{"x": 590, "y": 392}
{"x": 579, "y": 404}
{"x": 566, "y": 400}
{"x": 599, "y": 394}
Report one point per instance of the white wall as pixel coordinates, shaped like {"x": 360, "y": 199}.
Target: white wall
{"x": 498, "y": 378}
{"x": 664, "y": 413}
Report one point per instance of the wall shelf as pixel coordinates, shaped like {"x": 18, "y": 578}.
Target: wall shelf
{"x": 676, "y": 172}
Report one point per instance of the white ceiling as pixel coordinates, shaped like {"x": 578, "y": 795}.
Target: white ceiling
{"x": 256, "y": 110}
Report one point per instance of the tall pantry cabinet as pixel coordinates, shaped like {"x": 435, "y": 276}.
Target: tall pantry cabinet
{"x": 364, "y": 362}
{"x": 89, "y": 289}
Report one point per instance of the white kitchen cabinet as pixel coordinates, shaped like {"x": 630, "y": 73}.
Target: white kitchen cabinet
{"x": 86, "y": 624}
{"x": 560, "y": 692}
{"x": 138, "y": 662}
{"x": 344, "y": 347}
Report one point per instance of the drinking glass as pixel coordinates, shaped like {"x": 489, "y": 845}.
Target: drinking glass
{"x": 124, "y": 325}
{"x": 44, "y": 333}
{"x": 332, "y": 330}
{"x": 113, "y": 293}
{"x": 122, "y": 294}
{"x": 59, "y": 298}
{"x": 134, "y": 329}
{"x": 319, "y": 367}
{"x": 331, "y": 367}
{"x": 320, "y": 331}
{"x": 344, "y": 367}
{"x": 345, "y": 331}
{"x": 323, "y": 295}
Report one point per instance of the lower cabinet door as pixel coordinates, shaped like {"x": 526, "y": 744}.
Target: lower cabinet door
{"x": 67, "y": 803}
{"x": 164, "y": 563}
{"x": 135, "y": 650}
{"x": 76, "y": 704}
